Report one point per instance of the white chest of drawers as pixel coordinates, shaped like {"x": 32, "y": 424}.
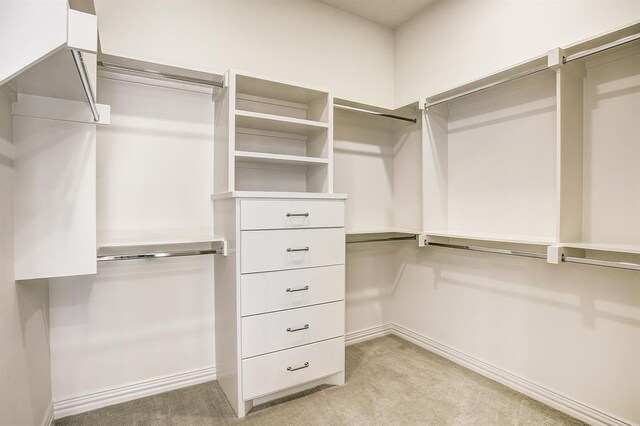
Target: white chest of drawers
{"x": 279, "y": 296}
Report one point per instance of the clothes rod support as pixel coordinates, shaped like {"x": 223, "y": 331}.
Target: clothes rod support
{"x": 378, "y": 114}
{"x": 86, "y": 83}
{"x": 605, "y": 263}
{"x": 602, "y": 48}
{"x": 160, "y": 255}
{"x": 518, "y": 253}
{"x": 158, "y": 74}
{"x": 380, "y": 240}
{"x": 428, "y": 105}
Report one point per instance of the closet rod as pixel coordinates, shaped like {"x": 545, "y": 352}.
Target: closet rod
{"x": 602, "y": 48}
{"x": 428, "y": 105}
{"x": 379, "y": 240}
{"x": 159, "y": 255}
{"x": 158, "y": 74}
{"x": 379, "y": 114}
{"x": 86, "y": 83}
{"x": 605, "y": 263}
{"x": 490, "y": 250}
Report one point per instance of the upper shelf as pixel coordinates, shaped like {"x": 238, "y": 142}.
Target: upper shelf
{"x": 68, "y": 72}
{"x": 277, "y": 123}
{"x": 263, "y": 157}
{"x": 608, "y": 247}
{"x": 500, "y": 238}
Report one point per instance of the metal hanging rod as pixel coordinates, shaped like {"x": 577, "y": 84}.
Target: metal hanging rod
{"x": 86, "y": 83}
{"x": 157, "y": 255}
{"x": 158, "y": 74}
{"x": 379, "y": 240}
{"x": 602, "y": 48}
{"x": 428, "y": 105}
{"x": 379, "y": 114}
{"x": 605, "y": 263}
{"x": 518, "y": 253}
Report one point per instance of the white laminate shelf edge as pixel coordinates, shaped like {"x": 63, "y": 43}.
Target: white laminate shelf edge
{"x": 278, "y": 195}
{"x": 146, "y": 242}
{"x": 607, "y": 247}
{"x": 381, "y": 231}
{"x": 277, "y": 123}
{"x": 249, "y": 156}
{"x": 500, "y": 238}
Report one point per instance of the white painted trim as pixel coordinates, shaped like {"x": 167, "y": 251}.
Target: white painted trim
{"x": 47, "y": 420}
{"x": 590, "y": 415}
{"x": 367, "y": 334}
{"x": 91, "y": 401}
{"x": 540, "y": 393}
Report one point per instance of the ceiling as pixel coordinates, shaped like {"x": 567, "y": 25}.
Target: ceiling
{"x": 390, "y": 13}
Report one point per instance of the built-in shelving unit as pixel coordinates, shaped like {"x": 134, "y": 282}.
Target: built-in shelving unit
{"x": 377, "y": 161}
{"x": 275, "y": 136}
{"x": 490, "y": 158}
{"x": 601, "y": 174}
{"x": 543, "y": 154}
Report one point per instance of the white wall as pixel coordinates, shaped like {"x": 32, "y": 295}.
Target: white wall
{"x": 300, "y": 40}
{"x": 141, "y": 320}
{"x": 573, "y": 329}
{"x": 454, "y": 41}
{"x": 25, "y": 383}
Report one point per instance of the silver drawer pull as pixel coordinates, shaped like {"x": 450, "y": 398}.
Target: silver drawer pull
{"x": 298, "y": 249}
{"x": 291, "y": 330}
{"x": 306, "y": 364}
{"x": 293, "y": 290}
{"x": 297, "y": 214}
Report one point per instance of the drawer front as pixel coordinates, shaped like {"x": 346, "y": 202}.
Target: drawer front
{"x": 291, "y": 249}
{"x": 270, "y": 373}
{"x": 272, "y": 332}
{"x": 295, "y": 288}
{"x": 285, "y": 214}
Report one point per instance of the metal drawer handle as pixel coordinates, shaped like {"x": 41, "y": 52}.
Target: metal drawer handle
{"x": 297, "y": 249}
{"x": 297, "y": 214}
{"x": 293, "y": 290}
{"x": 306, "y": 364}
{"x": 291, "y": 330}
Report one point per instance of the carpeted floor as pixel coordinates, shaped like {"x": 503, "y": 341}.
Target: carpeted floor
{"x": 389, "y": 381}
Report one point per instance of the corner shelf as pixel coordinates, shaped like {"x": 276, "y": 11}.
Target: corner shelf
{"x": 277, "y": 123}
{"x": 498, "y": 238}
{"x": 247, "y": 156}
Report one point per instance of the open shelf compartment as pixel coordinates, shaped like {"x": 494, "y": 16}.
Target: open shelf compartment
{"x": 489, "y": 164}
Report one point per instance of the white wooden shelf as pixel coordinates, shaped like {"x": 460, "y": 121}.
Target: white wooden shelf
{"x": 272, "y": 194}
{"x": 169, "y": 240}
{"x": 263, "y": 157}
{"x": 608, "y": 247}
{"x": 516, "y": 239}
{"x": 277, "y": 123}
{"x": 380, "y": 231}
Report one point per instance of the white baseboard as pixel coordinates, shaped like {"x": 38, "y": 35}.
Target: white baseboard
{"x": 47, "y": 420}
{"x": 553, "y": 399}
{"x": 81, "y": 403}
{"x": 367, "y": 334}
{"x": 590, "y": 415}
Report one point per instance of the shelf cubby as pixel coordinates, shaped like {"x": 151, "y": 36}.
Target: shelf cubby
{"x": 277, "y": 136}
{"x": 377, "y": 161}
{"x": 603, "y": 172}
{"x": 489, "y": 168}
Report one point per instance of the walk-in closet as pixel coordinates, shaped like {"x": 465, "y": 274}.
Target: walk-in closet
{"x": 338, "y": 212}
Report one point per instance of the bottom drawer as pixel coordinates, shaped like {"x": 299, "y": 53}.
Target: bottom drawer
{"x": 270, "y": 373}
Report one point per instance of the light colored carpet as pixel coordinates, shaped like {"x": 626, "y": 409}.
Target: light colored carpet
{"x": 389, "y": 381}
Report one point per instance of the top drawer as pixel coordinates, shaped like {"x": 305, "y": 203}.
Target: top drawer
{"x": 287, "y": 214}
